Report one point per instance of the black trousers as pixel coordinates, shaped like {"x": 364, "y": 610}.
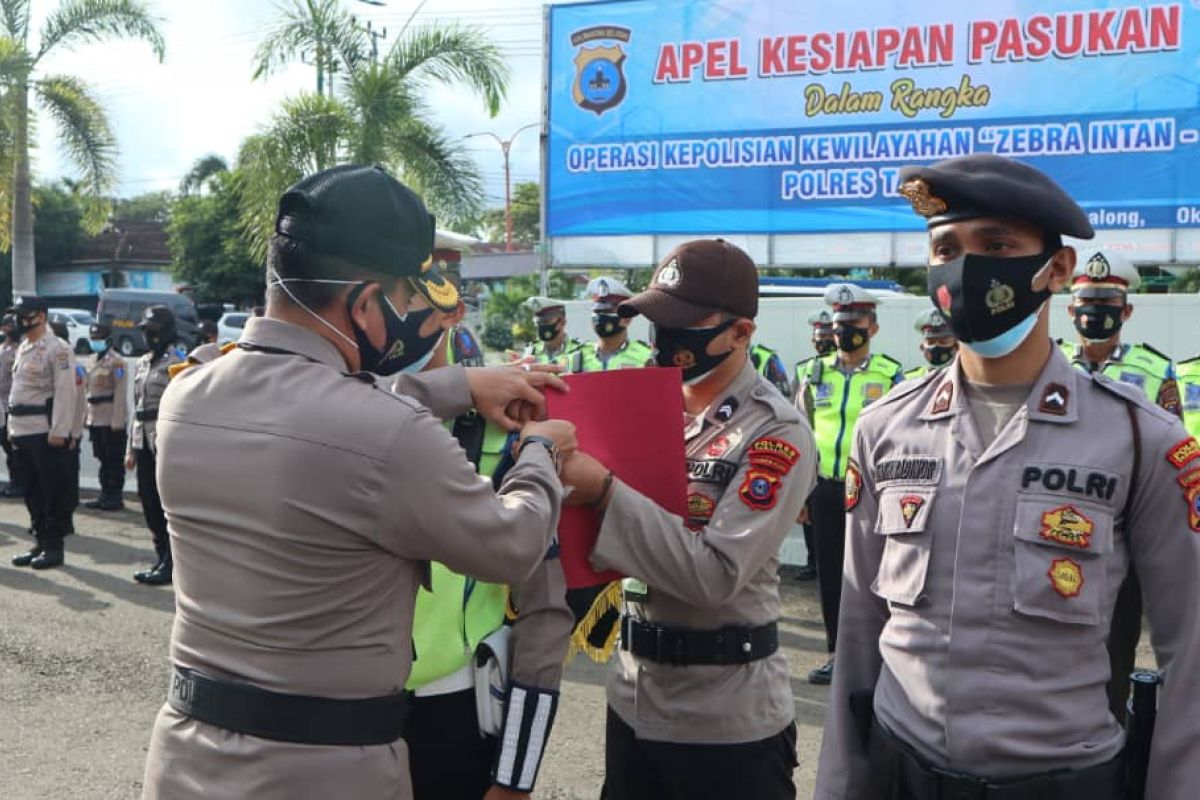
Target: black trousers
{"x": 827, "y": 508}
{"x": 152, "y": 510}
{"x": 808, "y": 545}
{"x": 1123, "y": 636}
{"x": 447, "y": 757}
{"x": 15, "y": 479}
{"x": 48, "y": 490}
{"x": 108, "y": 446}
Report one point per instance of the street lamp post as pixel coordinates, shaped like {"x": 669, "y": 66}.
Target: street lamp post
{"x": 505, "y": 147}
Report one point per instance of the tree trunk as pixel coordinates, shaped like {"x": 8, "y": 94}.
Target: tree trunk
{"x": 24, "y": 276}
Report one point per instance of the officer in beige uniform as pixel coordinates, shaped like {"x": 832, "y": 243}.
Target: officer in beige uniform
{"x": 8, "y": 356}
{"x": 995, "y": 508}
{"x": 107, "y": 414}
{"x": 700, "y": 701}
{"x": 149, "y": 382}
{"x": 297, "y": 562}
{"x": 41, "y": 412}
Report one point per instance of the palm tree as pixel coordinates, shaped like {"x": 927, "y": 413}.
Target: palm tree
{"x": 83, "y": 126}
{"x": 378, "y": 116}
{"x": 318, "y": 29}
{"x": 204, "y": 170}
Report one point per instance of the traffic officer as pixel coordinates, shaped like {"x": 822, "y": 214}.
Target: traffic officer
{"x": 699, "y": 700}
{"x": 994, "y": 509}
{"x": 613, "y": 348}
{"x": 553, "y": 345}
{"x": 107, "y": 415}
{"x": 461, "y": 740}
{"x": 8, "y": 356}
{"x": 150, "y": 379}
{"x": 835, "y": 390}
{"x": 305, "y": 499}
{"x": 823, "y": 344}
{"x": 768, "y": 364}
{"x": 41, "y": 413}
{"x": 1188, "y": 375}
{"x": 938, "y": 343}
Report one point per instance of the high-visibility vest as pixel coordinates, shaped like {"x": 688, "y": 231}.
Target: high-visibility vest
{"x": 537, "y": 351}
{"x": 1188, "y": 375}
{"x": 838, "y": 399}
{"x": 632, "y": 354}
{"x": 770, "y": 366}
{"x": 1137, "y": 365}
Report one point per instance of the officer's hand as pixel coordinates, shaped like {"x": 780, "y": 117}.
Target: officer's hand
{"x": 802, "y": 517}
{"x": 500, "y": 793}
{"x": 130, "y": 462}
{"x": 56, "y": 441}
{"x": 510, "y": 397}
{"x": 556, "y": 430}
{"x": 587, "y": 477}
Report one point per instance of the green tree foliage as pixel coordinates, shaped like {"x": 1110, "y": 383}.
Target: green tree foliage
{"x": 207, "y": 248}
{"x": 526, "y": 216}
{"x": 148, "y": 207}
{"x": 58, "y": 229}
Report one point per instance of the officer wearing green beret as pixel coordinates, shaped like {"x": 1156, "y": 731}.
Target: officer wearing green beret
{"x": 553, "y": 345}
{"x": 938, "y": 344}
{"x": 613, "y": 348}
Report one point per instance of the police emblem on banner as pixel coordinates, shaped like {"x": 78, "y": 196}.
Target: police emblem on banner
{"x": 600, "y": 76}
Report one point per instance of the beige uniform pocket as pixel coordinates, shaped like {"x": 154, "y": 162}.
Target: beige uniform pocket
{"x": 903, "y": 517}
{"x": 1060, "y": 548}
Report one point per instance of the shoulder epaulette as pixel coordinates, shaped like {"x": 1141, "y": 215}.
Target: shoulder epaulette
{"x": 1191, "y": 360}
{"x": 1150, "y": 349}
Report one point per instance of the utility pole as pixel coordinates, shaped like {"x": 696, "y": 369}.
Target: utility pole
{"x": 505, "y": 147}
{"x": 374, "y": 34}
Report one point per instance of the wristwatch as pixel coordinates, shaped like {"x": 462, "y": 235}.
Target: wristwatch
{"x": 545, "y": 442}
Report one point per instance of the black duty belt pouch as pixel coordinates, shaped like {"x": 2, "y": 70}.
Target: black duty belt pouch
{"x": 100, "y": 398}
{"x": 682, "y": 647}
{"x": 146, "y": 416}
{"x": 242, "y": 708}
{"x": 917, "y": 778}
{"x": 20, "y": 410}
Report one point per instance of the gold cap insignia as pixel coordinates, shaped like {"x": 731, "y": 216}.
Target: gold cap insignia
{"x": 923, "y": 201}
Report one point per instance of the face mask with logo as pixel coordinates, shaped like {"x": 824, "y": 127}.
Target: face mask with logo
{"x": 824, "y": 346}
{"x": 989, "y": 302}
{"x": 606, "y": 325}
{"x": 849, "y": 338}
{"x": 403, "y": 345}
{"x": 939, "y": 355}
{"x": 687, "y": 348}
{"x": 98, "y": 345}
{"x": 547, "y": 331}
{"x": 1098, "y": 323}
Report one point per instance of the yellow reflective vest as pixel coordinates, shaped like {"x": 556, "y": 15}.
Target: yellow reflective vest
{"x": 837, "y": 399}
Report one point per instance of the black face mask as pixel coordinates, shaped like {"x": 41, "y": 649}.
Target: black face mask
{"x": 989, "y": 302}
{"x": 939, "y": 355}
{"x": 403, "y": 344}
{"x": 1097, "y": 323}
{"x": 26, "y": 324}
{"x": 850, "y": 338}
{"x": 547, "y": 331}
{"x": 606, "y": 325}
{"x": 824, "y": 346}
{"x": 687, "y": 348}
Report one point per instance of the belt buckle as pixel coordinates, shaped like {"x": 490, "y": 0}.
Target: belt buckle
{"x": 958, "y": 786}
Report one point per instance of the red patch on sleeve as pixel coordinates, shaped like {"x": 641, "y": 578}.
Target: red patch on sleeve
{"x": 773, "y": 455}
{"x": 1184, "y": 453}
{"x": 853, "y": 485}
{"x": 760, "y": 490}
{"x": 1190, "y": 481}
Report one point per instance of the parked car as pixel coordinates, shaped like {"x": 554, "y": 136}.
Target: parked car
{"x": 76, "y": 321}
{"x": 229, "y": 326}
{"x": 123, "y": 310}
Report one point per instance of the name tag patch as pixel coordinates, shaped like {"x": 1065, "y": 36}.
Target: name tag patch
{"x": 909, "y": 469}
{"x": 711, "y": 470}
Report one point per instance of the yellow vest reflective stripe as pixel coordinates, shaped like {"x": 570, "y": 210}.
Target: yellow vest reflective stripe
{"x": 1139, "y": 366}
{"x": 1189, "y": 389}
{"x": 838, "y": 399}
{"x": 633, "y": 354}
{"x": 538, "y": 351}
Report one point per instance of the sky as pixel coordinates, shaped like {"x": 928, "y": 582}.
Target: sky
{"x": 201, "y": 99}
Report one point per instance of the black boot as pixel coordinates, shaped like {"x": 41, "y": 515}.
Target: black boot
{"x": 159, "y": 576}
{"x": 25, "y": 559}
{"x": 48, "y": 559}
{"x": 142, "y": 575}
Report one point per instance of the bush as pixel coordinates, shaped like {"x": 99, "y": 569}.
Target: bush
{"x": 497, "y": 334}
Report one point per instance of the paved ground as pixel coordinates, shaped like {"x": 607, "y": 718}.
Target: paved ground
{"x": 83, "y": 664}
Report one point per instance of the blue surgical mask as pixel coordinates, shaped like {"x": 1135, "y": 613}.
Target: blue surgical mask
{"x": 422, "y": 362}
{"x": 98, "y": 345}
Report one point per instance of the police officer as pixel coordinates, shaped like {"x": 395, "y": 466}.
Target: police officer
{"x": 938, "y": 343}
{"x": 41, "y": 413}
{"x": 8, "y": 356}
{"x": 823, "y": 344}
{"x": 1188, "y": 375}
{"x": 613, "y": 348}
{"x": 699, "y": 700}
{"x": 835, "y": 390}
{"x": 768, "y": 364}
{"x": 994, "y": 509}
{"x": 305, "y": 499}
{"x": 149, "y": 382}
{"x": 553, "y": 345}
{"x": 461, "y": 740}
{"x": 107, "y": 414}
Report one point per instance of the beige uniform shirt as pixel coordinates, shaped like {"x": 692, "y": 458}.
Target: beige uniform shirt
{"x": 43, "y": 370}
{"x": 716, "y": 568}
{"x": 150, "y": 380}
{"x": 81, "y": 404}
{"x": 8, "y": 358}
{"x": 108, "y": 378}
{"x": 302, "y": 504}
{"x": 980, "y": 581}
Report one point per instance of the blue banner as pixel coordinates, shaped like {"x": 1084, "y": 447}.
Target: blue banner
{"x": 773, "y": 116}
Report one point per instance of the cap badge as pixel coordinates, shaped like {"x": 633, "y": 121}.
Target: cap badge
{"x": 923, "y": 201}
{"x": 668, "y": 277}
{"x": 1098, "y": 267}
{"x": 602, "y": 288}
{"x": 1000, "y": 298}
{"x": 845, "y": 296}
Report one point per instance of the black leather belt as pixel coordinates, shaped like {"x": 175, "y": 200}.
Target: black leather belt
{"x": 299, "y": 719}
{"x": 915, "y": 777}
{"x": 146, "y": 416}
{"x": 100, "y": 398}
{"x": 30, "y": 411}
{"x": 683, "y": 647}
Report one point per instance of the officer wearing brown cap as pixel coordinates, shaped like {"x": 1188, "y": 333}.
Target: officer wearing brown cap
{"x": 699, "y": 701}
{"x": 297, "y": 562}
{"x": 994, "y": 509}
{"x": 41, "y": 415}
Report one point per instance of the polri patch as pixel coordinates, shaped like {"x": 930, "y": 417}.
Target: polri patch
{"x": 909, "y": 469}
{"x": 711, "y": 470}
{"x": 773, "y": 455}
{"x": 1055, "y": 398}
{"x": 910, "y": 506}
{"x": 1184, "y": 453}
{"x": 853, "y": 485}
{"x": 941, "y": 400}
{"x": 760, "y": 490}
{"x": 1066, "y": 576}
{"x": 1069, "y": 526}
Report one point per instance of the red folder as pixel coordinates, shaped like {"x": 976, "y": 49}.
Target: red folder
{"x": 631, "y": 420}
